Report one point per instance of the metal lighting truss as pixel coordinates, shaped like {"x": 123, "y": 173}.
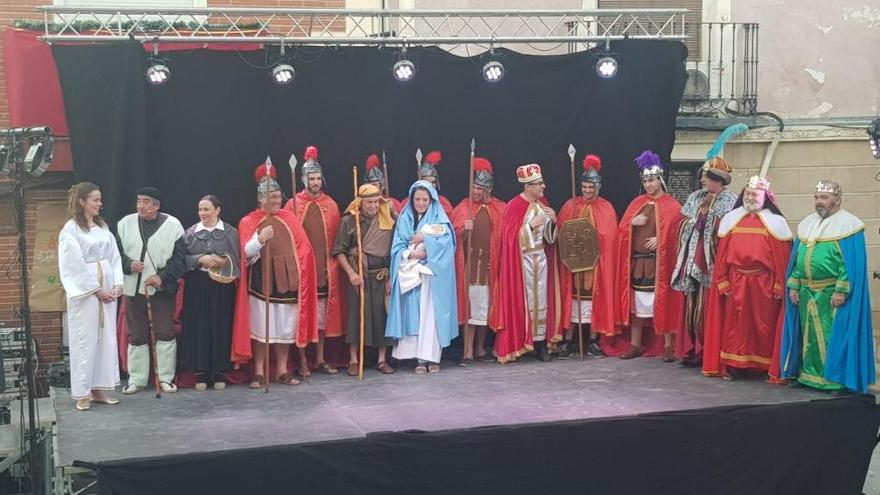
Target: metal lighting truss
{"x": 359, "y": 27}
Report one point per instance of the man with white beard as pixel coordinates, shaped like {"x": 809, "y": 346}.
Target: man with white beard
{"x": 745, "y": 306}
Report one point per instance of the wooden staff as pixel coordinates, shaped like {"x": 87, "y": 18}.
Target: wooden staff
{"x": 577, "y": 276}
{"x": 292, "y": 162}
{"x": 468, "y": 247}
{"x": 357, "y": 228}
{"x": 153, "y": 343}
{"x": 267, "y": 288}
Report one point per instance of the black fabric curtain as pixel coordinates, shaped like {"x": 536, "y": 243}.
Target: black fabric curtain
{"x": 220, "y": 115}
{"x": 819, "y": 447}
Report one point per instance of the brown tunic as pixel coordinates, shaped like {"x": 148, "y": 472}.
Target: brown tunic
{"x": 481, "y": 238}
{"x": 643, "y": 260}
{"x": 313, "y": 224}
{"x": 285, "y": 272}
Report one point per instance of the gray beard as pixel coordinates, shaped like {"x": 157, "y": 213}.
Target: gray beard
{"x": 751, "y": 207}
{"x": 822, "y": 212}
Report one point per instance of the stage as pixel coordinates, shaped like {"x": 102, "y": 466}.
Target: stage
{"x": 340, "y": 408}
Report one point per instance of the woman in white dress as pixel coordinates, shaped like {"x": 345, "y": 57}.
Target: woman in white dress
{"x": 91, "y": 273}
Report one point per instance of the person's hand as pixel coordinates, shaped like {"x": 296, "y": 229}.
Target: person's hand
{"x": 417, "y": 238}
{"x": 794, "y": 296}
{"x": 117, "y": 292}
{"x": 469, "y": 224}
{"x": 104, "y": 296}
{"x": 639, "y": 220}
{"x": 550, "y": 213}
{"x": 838, "y": 299}
{"x": 137, "y": 266}
{"x": 153, "y": 281}
{"x": 356, "y": 281}
{"x": 536, "y": 223}
{"x": 651, "y": 243}
{"x": 266, "y": 234}
{"x": 418, "y": 254}
{"x": 208, "y": 261}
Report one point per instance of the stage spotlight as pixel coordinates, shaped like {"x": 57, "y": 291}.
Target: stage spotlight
{"x": 606, "y": 67}
{"x": 283, "y": 73}
{"x": 39, "y": 155}
{"x": 404, "y": 70}
{"x": 874, "y": 137}
{"x": 157, "y": 74}
{"x": 493, "y": 71}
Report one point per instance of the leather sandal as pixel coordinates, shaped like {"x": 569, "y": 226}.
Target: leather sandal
{"x": 384, "y": 368}
{"x": 288, "y": 379}
{"x": 326, "y": 369}
{"x": 257, "y": 381}
{"x": 633, "y": 352}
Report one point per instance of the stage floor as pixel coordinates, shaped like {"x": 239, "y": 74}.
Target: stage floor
{"x": 337, "y": 407}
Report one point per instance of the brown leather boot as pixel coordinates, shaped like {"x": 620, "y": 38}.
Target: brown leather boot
{"x": 634, "y": 351}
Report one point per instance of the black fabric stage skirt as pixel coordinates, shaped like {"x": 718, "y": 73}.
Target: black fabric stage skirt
{"x": 206, "y": 337}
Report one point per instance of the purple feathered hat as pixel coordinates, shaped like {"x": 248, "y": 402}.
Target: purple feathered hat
{"x": 650, "y": 166}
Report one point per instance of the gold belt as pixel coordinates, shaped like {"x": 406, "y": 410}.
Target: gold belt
{"x": 819, "y": 284}
{"x": 750, "y": 271}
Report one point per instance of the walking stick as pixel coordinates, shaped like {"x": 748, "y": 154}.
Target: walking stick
{"x": 577, "y": 277}
{"x": 292, "y": 163}
{"x": 357, "y": 227}
{"x": 153, "y": 343}
{"x": 267, "y": 287}
{"x": 468, "y": 249}
{"x": 387, "y": 178}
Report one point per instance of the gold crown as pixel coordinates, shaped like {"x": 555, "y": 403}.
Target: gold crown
{"x": 827, "y": 186}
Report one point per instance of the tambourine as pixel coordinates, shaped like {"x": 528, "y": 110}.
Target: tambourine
{"x": 225, "y": 273}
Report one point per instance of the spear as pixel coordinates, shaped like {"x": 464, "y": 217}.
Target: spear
{"x": 418, "y": 163}
{"x": 387, "y": 179}
{"x": 577, "y": 276}
{"x": 267, "y": 285}
{"x": 468, "y": 248}
{"x": 292, "y": 163}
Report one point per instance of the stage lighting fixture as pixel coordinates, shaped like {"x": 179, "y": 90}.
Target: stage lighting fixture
{"x": 404, "y": 70}
{"x": 606, "y": 67}
{"x": 493, "y": 71}
{"x": 874, "y": 137}
{"x": 283, "y": 73}
{"x": 157, "y": 74}
{"x": 39, "y": 156}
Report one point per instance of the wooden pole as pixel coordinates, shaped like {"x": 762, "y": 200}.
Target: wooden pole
{"x": 357, "y": 228}
{"x": 267, "y": 290}
{"x": 469, "y": 249}
{"x": 153, "y": 344}
{"x": 577, "y": 276}
{"x": 292, "y": 163}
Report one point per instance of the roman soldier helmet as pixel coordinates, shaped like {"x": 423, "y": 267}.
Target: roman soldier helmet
{"x": 311, "y": 165}
{"x": 429, "y": 165}
{"x": 374, "y": 170}
{"x": 592, "y": 166}
{"x": 483, "y": 173}
{"x": 650, "y": 166}
{"x": 265, "y": 175}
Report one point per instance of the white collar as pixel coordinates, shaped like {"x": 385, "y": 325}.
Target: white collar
{"x": 837, "y": 226}
{"x": 200, "y": 226}
{"x": 775, "y": 224}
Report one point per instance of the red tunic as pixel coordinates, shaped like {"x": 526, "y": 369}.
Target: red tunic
{"x": 668, "y": 304}
{"x": 745, "y": 308}
{"x": 515, "y": 333}
{"x": 445, "y": 203}
{"x": 495, "y": 208}
{"x": 335, "y": 294}
{"x": 604, "y": 219}
{"x": 307, "y": 330}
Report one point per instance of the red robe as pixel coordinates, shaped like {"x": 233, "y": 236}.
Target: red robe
{"x": 330, "y": 215}
{"x": 445, "y": 203}
{"x": 745, "y": 311}
{"x": 668, "y": 304}
{"x": 514, "y": 336}
{"x": 495, "y": 208}
{"x": 604, "y": 306}
{"x": 307, "y": 330}
{"x": 395, "y": 203}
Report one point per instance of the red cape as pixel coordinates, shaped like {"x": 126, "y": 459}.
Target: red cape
{"x": 307, "y": 330}
{"x": 459, "y": 215}
{"x": 395, "y": 203}
{"x": 668, "y": 304}
{"x": 445, "y": 203}
{"x": 715, "y": 304}
{"x": 515, "y": 333}
{"x": 604, "y": 305}
{"x": 335, "y": 295}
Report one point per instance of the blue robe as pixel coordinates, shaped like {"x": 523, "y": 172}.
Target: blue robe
{"x": 403, "y": 309}
{"x": 850, "y": 356}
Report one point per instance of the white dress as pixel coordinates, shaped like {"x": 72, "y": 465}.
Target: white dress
{"x": 89, "y": 261}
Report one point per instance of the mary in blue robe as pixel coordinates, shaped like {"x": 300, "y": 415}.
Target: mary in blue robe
{"x": 422, "y": 311}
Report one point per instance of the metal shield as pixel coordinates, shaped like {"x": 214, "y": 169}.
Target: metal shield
{"x": 578, "y": 245}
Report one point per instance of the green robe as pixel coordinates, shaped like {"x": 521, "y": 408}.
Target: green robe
{"x": 818, "y": 273}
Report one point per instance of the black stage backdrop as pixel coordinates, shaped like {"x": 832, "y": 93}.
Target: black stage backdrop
{"x": 820, "y": 447}
{"x": 220, "y": 114}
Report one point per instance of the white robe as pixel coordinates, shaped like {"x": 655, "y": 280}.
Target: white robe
{"x": 426, "y": 345}
{"x": 89, "y": 261}
{"x": 534, "y": 261}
